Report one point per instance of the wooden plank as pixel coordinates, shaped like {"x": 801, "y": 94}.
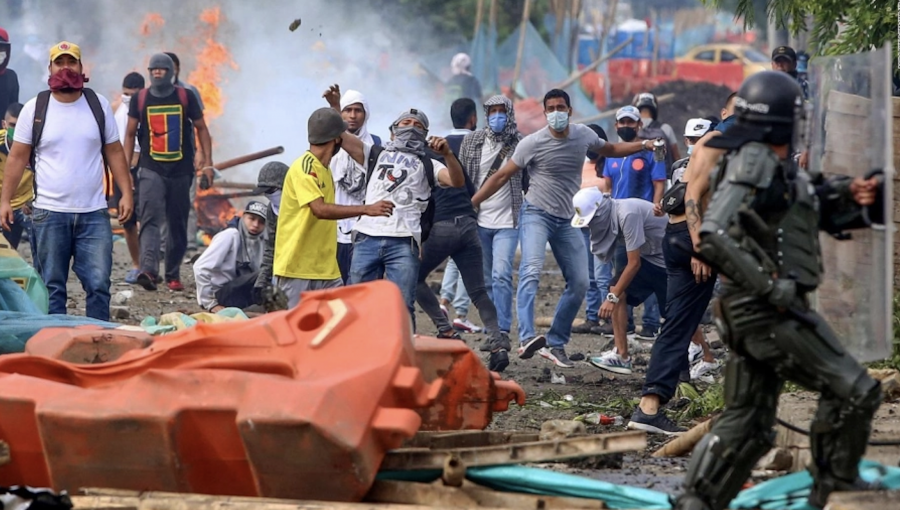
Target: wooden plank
{"x": 467, "y": 438}
{"x": 520, "y": 453}
{"x": 849, "y": 104}
{"x": 469, "y": 496}
{"x": 875, "y": 500}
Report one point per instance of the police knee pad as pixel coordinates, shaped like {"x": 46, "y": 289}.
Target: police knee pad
{"x": 867, "y": 394}
{"x": 718, "y": 471}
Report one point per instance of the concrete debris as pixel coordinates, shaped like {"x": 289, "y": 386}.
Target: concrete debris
{"x": 119, "y": 312}
{"x": 778, "y": 459}
{"x": 554, "y": 430}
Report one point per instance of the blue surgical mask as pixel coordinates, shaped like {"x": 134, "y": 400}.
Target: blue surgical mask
{"x": 558, "y": 121}
{"x": 497, "y": 122}
{"x": 690, "y": 149}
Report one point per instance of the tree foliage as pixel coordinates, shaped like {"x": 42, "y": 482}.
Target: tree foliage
{"x": 836, "y": 27}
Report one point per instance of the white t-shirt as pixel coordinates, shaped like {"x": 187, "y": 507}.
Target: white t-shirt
{"x": 342, "y": 164}
{"x": 495, "y": 212}
{"x": 398, "y": 177}
{"x": 122, "y": 123}
{"x": 68, "y": 160}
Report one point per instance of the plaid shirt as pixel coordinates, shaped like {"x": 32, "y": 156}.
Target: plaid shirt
{"x": 470, "y": 157}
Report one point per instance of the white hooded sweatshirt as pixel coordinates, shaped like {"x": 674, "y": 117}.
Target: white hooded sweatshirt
{"x": 218, "y": 264}
{"x": 348, "y": 173}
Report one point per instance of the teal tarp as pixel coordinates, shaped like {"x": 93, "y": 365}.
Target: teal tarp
{"x": 788, "y": 492}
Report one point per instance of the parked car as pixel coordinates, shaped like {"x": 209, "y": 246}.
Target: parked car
{"x": 724, "y": 64}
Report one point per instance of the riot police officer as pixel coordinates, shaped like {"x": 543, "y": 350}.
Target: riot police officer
{"x": 760, "y": 231}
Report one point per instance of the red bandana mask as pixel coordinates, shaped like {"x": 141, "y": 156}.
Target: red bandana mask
{"x": 66, "y": 79}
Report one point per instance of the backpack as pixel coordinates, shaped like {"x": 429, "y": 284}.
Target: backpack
{"x": 40, "y": 117}
{"x": 427, "y": 220}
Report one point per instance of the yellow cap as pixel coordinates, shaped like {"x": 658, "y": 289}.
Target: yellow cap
{"x": 65, "y": 48}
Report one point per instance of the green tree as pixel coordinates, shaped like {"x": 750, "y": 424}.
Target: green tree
{"x": 838, "y": 26}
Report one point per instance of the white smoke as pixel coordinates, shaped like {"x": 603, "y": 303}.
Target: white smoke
{"x": 281, "y": 74}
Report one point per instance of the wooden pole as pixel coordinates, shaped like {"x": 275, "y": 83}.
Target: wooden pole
{"x": 526, "y": 11}
{"x": 577, "y": 76}
{"x": 478, "y": 16}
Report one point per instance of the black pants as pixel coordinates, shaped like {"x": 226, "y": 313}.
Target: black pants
{"x": 164, "y": 200}
{"x": 457, "y": 239}
{"x": 344, "y": 256}
{"x": 238, "y": 293}
{"x": 686, "y": 303}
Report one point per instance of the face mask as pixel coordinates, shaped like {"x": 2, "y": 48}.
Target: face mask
{"x": 690, "y": 149}
{"x": 66, "y": 80}
{"x": 409, "y": 139}
{"x": 497, "y": 122}
{"x": 10, "y": 132}
{"x": 275, "y": 200}
{"x": 558, "y": 121}
{"x": 646, "y": 120}
{"x": 627, "y": 133}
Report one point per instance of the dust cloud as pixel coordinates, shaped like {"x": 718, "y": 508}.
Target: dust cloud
{"x": 270, "y": 78}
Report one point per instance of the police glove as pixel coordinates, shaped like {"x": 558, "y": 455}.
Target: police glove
{"x": 783, "y": 293}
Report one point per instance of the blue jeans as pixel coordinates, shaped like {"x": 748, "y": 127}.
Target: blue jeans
{"x": 651, "y": 305}
{"x": 603, "y": 274}
{"x": 498, "y": 248}
{"x": 593, "y": 299}
{"x": 454, "y": 290}
{"x": 567, "y": 243}
{"x": 394, "y": 258}
{"x": 85, "y": 239}
{"x": 21, "y": 223}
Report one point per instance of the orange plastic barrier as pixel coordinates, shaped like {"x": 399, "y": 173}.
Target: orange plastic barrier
{"x": 86, "y": 344}
{"x": 300, "y": 404}
{"x": 470, "y": 395}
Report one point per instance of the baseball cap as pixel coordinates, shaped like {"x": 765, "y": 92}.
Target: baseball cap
{"x": 4, "y": 35}
{"x": 412, "y": 113}
{"x": 325, "y": 124}
{"x": 257, "y": 208}
{"x": 271, "y": 177}
{"x": 696, "y": 127}
{"x": 629, "y": 112}
{"x": 65, "y": 48}
{"x": 784, "y": 52}
{"x": 586, "y": 202}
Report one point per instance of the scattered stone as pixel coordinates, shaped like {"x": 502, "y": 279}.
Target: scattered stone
{"x": 557, "y": 379}
{"x": 122, "y": 297}
{"x": 890, "y": 382}
{"x": 119, "y": 312}
{"x": 545, "y": 376}
{"x": 778, "y": 459}
{"x": 554, "y": 430}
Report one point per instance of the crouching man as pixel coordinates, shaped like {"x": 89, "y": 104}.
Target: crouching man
{"x": 227, "y": 270}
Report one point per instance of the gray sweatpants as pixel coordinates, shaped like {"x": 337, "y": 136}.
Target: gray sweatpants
{"x": 294, "y": 286}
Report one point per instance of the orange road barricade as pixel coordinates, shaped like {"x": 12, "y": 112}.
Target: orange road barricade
{"x": 470, "y": 394}
{"x": 300, "y": 404}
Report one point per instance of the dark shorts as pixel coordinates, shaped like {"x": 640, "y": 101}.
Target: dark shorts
{"x": 650, "y": 279}
{"x": 113, "y": 202}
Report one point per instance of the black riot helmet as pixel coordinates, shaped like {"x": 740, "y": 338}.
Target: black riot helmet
{"x": 768, "y": 97}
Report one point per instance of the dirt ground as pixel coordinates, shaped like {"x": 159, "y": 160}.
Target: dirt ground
{"x": 587, "y": 389}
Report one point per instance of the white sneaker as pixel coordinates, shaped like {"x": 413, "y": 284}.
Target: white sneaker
{"x": 695, "y": 353}
{"x": 465, "y": 325}
{"x": 702, "y": 368}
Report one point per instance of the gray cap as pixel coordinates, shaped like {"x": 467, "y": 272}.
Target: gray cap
{"x": 257, "y": 208}
{"x": 161, "y": 61}
{"x": 412, "y": 113}
{"x": 271, "y": 177}
{"x": 325, "y": 124}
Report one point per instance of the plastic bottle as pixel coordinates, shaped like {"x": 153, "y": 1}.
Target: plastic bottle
{"x": 602, "y": 419}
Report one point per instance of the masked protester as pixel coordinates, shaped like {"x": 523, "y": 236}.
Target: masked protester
{"x": 67, "y": 133}
{"x": 131, "y": 86}
{"x": 165, "y": 114}
{"x": 554, "y": 157}
{"x": 270, "y": 183}
{"x": 228, "y": 269}
{"x": 462, "y": 83}
{"x": 21, "y": 201}
{"x": 305, "y": 248}
{"x": 652, "y": 128}
{"x": 9, "y": 81}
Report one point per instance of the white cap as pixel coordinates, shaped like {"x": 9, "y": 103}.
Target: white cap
{"x": 628, "y": 112}
{"x": 586, "y": 202}
{"x": 696, "y": 127}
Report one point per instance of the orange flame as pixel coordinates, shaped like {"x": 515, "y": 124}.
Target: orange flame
{"x": 212, "y": 57}
{"x": 152, "y": 22}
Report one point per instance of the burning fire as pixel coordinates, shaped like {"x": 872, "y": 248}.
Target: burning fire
{"x": 152, "y": 22}
{"x": 213, "y": 56}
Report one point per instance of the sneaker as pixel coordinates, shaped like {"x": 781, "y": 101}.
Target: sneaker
{"x": 147, "y": 281}
{"x": 558, "y": 356}
{"x": 175, "y": 285}
{"x": 647, "y": 333}
{"x": 702, "y": 368}
{"x": 695, "y": 353}
{"x": 465, "y": 325}
{"x": 657, "y": 423}
{"x": 527, "y": 349}
{"x": 585, "y": 328}
{"x": 132, "y": 276}
{"x": 449, "y": 335}
{"x": 612, "y": 362}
